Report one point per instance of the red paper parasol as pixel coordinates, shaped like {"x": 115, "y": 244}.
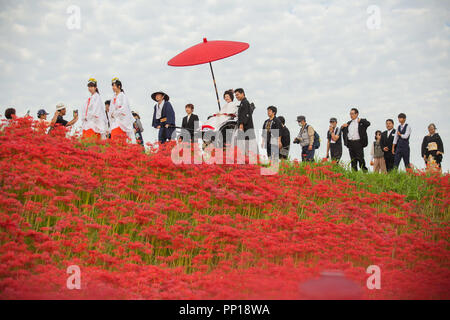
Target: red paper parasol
{"x": 207, "y": 52}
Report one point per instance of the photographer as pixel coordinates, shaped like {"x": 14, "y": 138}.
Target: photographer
{"x": 58, "y": 119}
{"x": 306, "y": 139}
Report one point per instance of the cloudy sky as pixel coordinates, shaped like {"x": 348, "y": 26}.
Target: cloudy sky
{"x": 316, "y": 58}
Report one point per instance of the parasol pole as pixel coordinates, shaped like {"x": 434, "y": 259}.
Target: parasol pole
{"x": 215, "y": 86}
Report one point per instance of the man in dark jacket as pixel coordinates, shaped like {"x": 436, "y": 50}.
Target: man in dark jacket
{"x": 245, "y": 123}
{"x": 269, "y": 131}
{"x": 355, "y": 139}
{"x": 387, "y": 139}
{"x": 285, "y": 139}
{"x": 163, "y": 116}
{"x": 245, "y": 118}
{"x": 190, "y": 122}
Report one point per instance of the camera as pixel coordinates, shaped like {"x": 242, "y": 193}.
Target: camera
{"x": 296, "y": 141}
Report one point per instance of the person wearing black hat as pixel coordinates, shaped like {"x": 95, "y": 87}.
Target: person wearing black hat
{"x": 355, "y": 139}
{"x": 334, "y": 144}
{"x": 163, "y": 116}
{"x": 42, "y": 123}
{"x": 42, "y": 115}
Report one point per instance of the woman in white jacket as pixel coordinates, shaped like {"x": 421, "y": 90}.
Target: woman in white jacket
{"x": 93, "y": 118}
{"x": 120, "y": 117}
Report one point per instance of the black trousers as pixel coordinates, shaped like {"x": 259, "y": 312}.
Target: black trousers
{"x": 335, "y": 152}
{"x": 389, "y": 159}
{"x": 356, "y": 151}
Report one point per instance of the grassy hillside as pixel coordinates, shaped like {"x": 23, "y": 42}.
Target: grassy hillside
{"x": 140, "y": 227}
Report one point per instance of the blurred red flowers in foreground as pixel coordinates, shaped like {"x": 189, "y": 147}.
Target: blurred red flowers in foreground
{"x": 141, "y": 227}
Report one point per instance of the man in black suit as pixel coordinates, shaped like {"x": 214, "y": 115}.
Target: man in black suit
{"x": 355, "y": 139}
{"x": 387, "y": 139}
{"x": 190, "y": 122}
{"x": 246, "y": 131}
{"x": 245, "y": 118}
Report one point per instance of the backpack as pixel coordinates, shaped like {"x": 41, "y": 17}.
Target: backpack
{"x": 252, "y": 107}
{"x": 316, "y": 144}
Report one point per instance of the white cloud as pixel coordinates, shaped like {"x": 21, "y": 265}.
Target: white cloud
{"x": 306, "y": 57}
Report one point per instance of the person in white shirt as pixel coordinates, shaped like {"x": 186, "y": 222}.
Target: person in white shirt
{"x": 400, "y": 147}
{"x": 94, "y": 124}
{"x": 120, "y": 118}
{"x": 355, "y": 138}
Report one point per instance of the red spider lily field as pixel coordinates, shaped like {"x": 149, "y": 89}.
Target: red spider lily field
{"x": 141, "y": 227}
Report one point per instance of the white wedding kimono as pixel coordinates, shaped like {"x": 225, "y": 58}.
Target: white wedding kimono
{"x": 217, "y": 120}
{"x": 120, "y": 115}
{"x": 93, "y": 115}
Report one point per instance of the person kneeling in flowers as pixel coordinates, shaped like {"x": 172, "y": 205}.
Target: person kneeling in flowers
{"x": 94, "y": 122}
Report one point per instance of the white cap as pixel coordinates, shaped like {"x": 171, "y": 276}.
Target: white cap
{"x": 60, "y": 106}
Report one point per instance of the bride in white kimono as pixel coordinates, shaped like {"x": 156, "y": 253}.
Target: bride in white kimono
{"x": 227, "y": 112}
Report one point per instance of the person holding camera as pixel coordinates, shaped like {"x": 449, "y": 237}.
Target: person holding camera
{"x": 306, "y": 139}
{"x": 58, "y": 118}
{"x": 334, "y": 144}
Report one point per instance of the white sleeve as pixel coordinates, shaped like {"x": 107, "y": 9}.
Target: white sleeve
{"x": 407, "y": 132}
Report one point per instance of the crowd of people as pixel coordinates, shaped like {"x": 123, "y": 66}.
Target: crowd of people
{"x": 113, "y": 119}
